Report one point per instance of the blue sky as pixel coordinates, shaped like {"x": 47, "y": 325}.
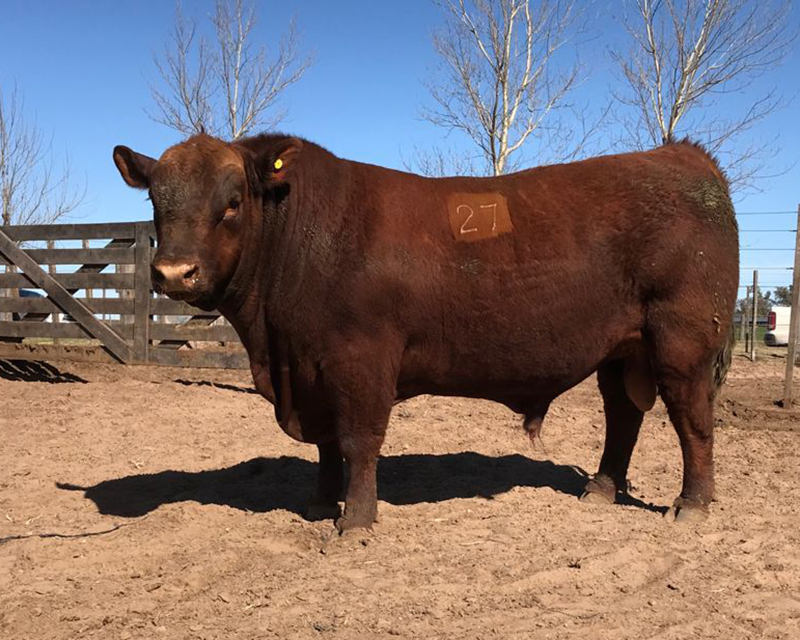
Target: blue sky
{"x": 85, "y": 67}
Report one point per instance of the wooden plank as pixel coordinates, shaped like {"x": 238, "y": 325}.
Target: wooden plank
{"x": 100, "y": 231}
{"x": 8, "y": 293}
{"x": 167, "y": 307}
{"x": 192, "y": 333}
{"x": 46, "y": 306}
{"x": 80, "y": 256}
{"x": 142, "y": 294}
{"x": 195, "y": 322}
{"x": 127, "y": 294}
{"x": 55, "y": 290}
{"x": 51, "y": 269}
{"x": 108, "y": 305}
{"x": 48, "y": 352}
{"x": 55, "y": 330}
{"x": 27, "y": 305}
{"x": 73, "y": 281}
{"x": 233, "y": 359}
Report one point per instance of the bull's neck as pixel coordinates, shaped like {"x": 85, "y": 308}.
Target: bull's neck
{"x": 304, "y": 238}
{"x": 243, "y": 302}
{"x": 286, "y": 243}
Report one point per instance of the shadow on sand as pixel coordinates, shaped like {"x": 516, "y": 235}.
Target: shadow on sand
{"x": 265, "y": 484}
{"x": 216, "y": 385}
{"x": 25, "y": 371}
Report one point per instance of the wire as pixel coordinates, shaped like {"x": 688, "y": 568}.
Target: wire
{"x": 767, "y": 230}
{"x": 764, "y": 213}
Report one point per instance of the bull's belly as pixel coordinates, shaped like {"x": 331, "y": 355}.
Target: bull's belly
{"x": 521, "y": 397}
{"x": 516, "y": 377}
{"x": 525, "y": 355}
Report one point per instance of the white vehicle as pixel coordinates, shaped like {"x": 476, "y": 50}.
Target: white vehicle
{"x": 777, "y": 334}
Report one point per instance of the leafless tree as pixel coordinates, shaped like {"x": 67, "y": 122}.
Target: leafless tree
{"x": 685, "y": 57}
{"x": 504, "y": 81}
{"x": 184, "y": 102}
{"x": 441, "y": 161}
{"x": 32, "y": 189}
{"x": 231, "y": 87}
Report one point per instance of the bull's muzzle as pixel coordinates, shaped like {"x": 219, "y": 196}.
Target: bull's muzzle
{"x": 177, "y": 279}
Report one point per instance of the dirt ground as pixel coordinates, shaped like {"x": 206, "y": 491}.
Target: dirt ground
{"x": 165, "y": 503}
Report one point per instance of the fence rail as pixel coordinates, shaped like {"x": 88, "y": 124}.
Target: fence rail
{"x": 62, "y": 298}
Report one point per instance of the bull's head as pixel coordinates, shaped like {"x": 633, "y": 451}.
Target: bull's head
{"x": 206, "y": 194}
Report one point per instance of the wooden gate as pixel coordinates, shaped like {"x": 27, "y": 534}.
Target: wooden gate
{"x": 82, "y": 292}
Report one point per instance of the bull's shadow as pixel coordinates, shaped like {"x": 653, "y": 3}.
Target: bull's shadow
{"x": 265, "y": 484}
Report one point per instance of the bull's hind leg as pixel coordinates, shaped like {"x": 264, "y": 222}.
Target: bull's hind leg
{"x": 623, "y": 420}
{"x": 689, "y": 401}
{"x": 330, "y": 480}
{"x": 684, "y": 370}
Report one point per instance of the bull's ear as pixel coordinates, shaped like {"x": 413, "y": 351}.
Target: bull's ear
{"x": 279, "y": 162}
{"x": 134, "y": 167}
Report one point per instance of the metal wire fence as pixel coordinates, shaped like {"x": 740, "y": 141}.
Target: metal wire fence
{"x": 767, "y": 306}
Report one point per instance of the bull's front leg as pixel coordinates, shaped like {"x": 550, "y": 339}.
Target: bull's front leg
{"x": 330, "y": 481}
{"x": 362, "y": 386}
{"x": 360, "y": 448}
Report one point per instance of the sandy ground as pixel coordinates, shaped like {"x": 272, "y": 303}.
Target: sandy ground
{"x": 164, "y": 503}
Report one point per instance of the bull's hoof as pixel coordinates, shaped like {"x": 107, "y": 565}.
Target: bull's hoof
{"x": 358, "y": 521}
{"x": 596, "y": 497}
{"x": 687, "y": 512}
{"x": 599, "y": 491}
{"x": 319, "y": 511}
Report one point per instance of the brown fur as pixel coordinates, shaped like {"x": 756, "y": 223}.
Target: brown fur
{"x": 351, "y": 290}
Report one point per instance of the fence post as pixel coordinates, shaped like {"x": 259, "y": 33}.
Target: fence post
{"x": 141, "y": 300}
{"x": 5, "y": 316}
{"x": 754, "y": 320}
{"x": 51, "y": 269}
{"x": 89, "y": 292}
{"x": 744, "y": 334}
{"x": 794, "y": 320}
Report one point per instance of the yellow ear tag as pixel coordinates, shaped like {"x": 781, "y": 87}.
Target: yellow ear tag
{"x": 278, "y": 164}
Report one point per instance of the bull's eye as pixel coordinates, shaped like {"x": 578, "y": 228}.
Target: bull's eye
{"x": 232, "y": 210}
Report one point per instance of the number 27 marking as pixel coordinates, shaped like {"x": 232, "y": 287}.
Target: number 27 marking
{"x": 464, "y": 229}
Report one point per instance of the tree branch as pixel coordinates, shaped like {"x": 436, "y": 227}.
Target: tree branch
{"x": 229, "y": 89}
{"x": 704, "y": 49}
{"x": 32, "y": 191}
{"x": 499, "y": 81}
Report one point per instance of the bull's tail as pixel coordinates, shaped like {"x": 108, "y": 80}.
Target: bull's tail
{"x": 723, "y": 360}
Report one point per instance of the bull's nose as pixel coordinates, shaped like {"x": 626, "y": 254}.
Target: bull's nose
{"x": 173, "y": 277}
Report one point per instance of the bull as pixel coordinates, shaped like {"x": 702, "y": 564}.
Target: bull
{"x": 354, "y": 286}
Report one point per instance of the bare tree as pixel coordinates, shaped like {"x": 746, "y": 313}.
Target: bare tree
{"x": 32, "y": 190}
{"x": 686, "y": 55}
{"x": 228, "y": 89}
{"x": 184, "y": 103}
{"x": 441, "y": 161}
{"x": 503, "y": 80}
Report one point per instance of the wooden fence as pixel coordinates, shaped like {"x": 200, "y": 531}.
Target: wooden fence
{"x": 94, "y": 303}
